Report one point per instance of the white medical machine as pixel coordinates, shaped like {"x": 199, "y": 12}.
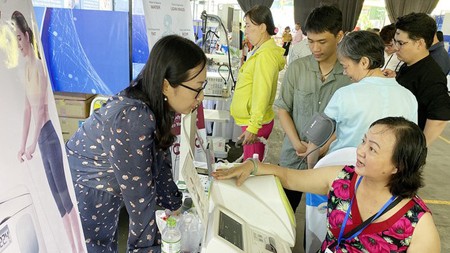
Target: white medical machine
{"x": 19, "y": 228}
{"x": 254, "y": 217}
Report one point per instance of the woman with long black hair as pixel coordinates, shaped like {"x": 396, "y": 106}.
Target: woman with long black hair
{"x": 120, "y": 155}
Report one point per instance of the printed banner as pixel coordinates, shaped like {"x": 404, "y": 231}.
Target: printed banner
{"x": 165, "y": 17}
{"x": 38, "y": 210}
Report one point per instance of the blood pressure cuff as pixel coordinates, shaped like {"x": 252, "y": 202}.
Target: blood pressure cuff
{"x": 319, "y": 129}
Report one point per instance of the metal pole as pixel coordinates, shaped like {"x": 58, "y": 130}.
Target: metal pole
{"x": 130, "y": 38}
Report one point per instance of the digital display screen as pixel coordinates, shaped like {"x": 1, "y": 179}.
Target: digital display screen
{"x": 231, "y": 230}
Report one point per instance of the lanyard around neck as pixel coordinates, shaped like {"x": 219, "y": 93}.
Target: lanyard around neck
{"x": 344, "y": 222}
{"x": 387, "y": 63}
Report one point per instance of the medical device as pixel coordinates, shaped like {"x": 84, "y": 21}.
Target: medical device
{"x": 254, "y": 217}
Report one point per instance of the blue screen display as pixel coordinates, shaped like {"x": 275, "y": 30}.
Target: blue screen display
{"x": 86, "y": 50}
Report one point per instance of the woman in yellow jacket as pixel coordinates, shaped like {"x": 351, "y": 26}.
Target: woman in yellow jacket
{"x": 256, "y": 87}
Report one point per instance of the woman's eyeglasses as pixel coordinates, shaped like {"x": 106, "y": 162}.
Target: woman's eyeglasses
{"x": 196, "y": 90}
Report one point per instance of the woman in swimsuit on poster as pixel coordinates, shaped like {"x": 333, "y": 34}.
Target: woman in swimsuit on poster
{"x": 42, "y": 132}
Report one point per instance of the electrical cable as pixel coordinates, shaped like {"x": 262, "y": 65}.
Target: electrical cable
{"x": 205, "y": 17}
{"x": 303, "y": 159}
{"x": 228, "y": 52}
{"x": 220, "y": 74}
{"x": 210, "y": 40}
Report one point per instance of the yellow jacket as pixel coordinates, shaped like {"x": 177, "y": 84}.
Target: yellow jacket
{"x": 256, "y": 87}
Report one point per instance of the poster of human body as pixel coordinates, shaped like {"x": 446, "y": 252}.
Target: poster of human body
{"x": 37, "y": 203}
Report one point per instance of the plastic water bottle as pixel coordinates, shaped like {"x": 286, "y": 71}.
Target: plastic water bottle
{"x": 190, "y": 233}
{"x": 256, "y": 156}
{"x": 171, "y": 237}
{"x": 185, "y": 233}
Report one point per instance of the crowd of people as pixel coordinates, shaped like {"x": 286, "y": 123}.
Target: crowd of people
{"x": 388, "y": 90}
{"x": 386, "y": 87}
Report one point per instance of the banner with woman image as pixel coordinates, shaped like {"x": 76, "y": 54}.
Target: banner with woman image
{"x": 38, "y": 211}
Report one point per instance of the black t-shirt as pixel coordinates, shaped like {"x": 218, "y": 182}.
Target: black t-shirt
{"x": 427, "y": 82}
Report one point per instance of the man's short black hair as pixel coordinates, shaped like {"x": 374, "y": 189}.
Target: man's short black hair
{"x": 324, "y": 19}
{"x": 418, "y": 26}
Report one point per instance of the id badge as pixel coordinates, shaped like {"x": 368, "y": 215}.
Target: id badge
{"x": 328, "y": 251}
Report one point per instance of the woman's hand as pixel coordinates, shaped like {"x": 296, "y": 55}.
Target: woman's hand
{"x": 241, "y": 172}
{"x": 389, "y": 73}
{"x": 249, "y": 138}
{"x": 20, "y": 155}
{"x": 30, "y": 151}
{"x": 175, "y": 212}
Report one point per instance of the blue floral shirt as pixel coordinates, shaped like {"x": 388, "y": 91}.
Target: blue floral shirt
{"x": 115, "y": 151}
{"x": 391, "y": 235}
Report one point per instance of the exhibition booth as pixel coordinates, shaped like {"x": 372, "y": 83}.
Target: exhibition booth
{"x": 71, "y": 37}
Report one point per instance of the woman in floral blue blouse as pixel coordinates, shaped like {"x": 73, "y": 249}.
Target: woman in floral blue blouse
{"x": 373, "y": 206}
{"x": 120, "y": 155}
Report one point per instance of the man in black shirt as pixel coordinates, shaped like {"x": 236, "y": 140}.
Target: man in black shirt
{"x": 421, "y": 74}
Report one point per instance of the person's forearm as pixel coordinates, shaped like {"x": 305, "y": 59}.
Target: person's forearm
{"x": 324, "y": 149}
{"x": 288, "y": 126}
{"x": 270, "y": 169}
{"x": 316, "y": 181}
{"x": 26, "y": 126}
{"x": 313, "y": 155}
{"x": 40, "y": 117}
{"x": 432, "y": 130}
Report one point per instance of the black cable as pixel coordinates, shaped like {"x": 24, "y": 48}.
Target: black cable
{"x": 210, "y": 40}
{"x": 229, "y": 73}
{"x": 228, "y": 45}
{"x": 225, "y": 80}
{"x": 204, "y": 23}
{"x": 303, "y": 159}
{"x": 228, "y": 53}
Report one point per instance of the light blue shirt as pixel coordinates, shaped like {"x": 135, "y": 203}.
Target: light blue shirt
{"x": 356, "y": 106}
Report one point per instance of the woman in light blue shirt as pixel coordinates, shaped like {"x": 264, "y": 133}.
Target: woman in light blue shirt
{"x": 372, "y": 95}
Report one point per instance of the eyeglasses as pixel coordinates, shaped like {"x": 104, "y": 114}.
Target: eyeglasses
{"x": 400, "y": 43}
{"x": 196, "y": 90}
